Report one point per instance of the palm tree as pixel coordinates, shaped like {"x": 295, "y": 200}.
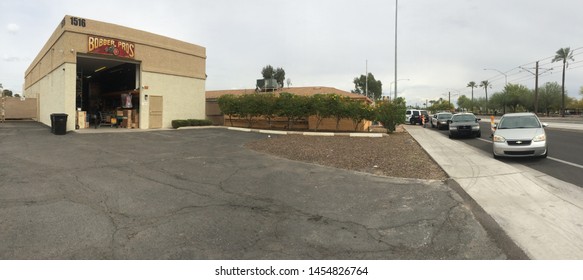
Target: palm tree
{"x": 485, "y": 85}
{"x": 473, "y": 85}
{"x": 563, "y": 54}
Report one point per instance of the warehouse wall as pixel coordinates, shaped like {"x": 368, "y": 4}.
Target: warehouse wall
{"x": 55, "y": 93}
{"x": 184, "y": 98}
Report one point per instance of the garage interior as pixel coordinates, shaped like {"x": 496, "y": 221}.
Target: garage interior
{"x": 107, "y": 92}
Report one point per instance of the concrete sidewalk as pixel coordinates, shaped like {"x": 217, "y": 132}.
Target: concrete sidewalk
{"x": 543, "y": 215}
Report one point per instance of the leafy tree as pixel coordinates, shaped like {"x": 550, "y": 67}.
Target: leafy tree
{"x": 268, "y": 72}
{"x": 279, "y": 76}
{"x": 293, "y": 107}
{"x": 486, "y": 85}
{"x": 250, "y": 107}
{"x": 464, "y": 103}
{"x": 359, "y": 111}
{"x": 229, "y": 105}
{"x": 496, "y": 102}
{"x": 391, "y": 113}
{"x": 340, "y": 110}
{"x": 323, "y": 106}
{"x": 564, "y": 55}
{"x": 267, "y": 106}
{"x": 375, "y": 88}
{"x": 549, "y": 98}
{"x": 472, "y": 85}
{"x": 441, "y": 105}
{"x": 513, "y": 94}
{"x": 6, "y": 92}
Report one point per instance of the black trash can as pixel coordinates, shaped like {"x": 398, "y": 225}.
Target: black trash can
{"x": 59, "y": 123}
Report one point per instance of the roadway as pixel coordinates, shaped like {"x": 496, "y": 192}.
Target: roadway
{"x": 564, "y": 161}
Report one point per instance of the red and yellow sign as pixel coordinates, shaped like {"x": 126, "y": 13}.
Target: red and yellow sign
{"x": 108, "y": 46}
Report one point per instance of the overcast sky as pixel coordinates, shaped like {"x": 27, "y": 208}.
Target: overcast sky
{"x": 442, "y": 45}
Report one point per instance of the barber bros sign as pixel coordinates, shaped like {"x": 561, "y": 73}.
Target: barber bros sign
{"x": 108, "y": 46}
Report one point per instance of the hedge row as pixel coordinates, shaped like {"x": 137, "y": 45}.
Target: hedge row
{"x": 190, "y": 122}
{"x": 298, "y": 107}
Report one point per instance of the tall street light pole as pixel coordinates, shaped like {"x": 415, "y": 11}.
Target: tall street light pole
{"x": 505, "y": 84}
{"x": 396, "y": 14}
{"x": 391, "y": 85}
{"x": 505, "y": 76}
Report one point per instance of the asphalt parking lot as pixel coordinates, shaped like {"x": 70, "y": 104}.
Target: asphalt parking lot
{"x": 200, "y": 194}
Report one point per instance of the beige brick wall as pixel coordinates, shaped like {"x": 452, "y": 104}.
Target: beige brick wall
{"x": 20, "y": 109}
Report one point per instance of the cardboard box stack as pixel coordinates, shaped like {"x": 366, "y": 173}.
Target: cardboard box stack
{"x": 82, "y": 119}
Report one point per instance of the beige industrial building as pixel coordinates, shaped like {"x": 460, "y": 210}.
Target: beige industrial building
{"x": 105, "y": 74}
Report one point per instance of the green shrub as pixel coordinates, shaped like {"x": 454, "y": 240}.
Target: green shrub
{"x": 194, "y": 122}
{"x": 190, "y": 122}
{"x": 391, "y": 113}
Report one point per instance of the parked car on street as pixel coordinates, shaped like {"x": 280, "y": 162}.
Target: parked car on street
{"x": 439, "y": 120}
{"x": 413, "y": 116}
{"x": 464, "y": 124}
{"x": 520, "y": 135}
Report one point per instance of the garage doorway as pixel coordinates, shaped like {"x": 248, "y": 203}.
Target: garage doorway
{"x": 107, "y": 92}
{"x": 156, "y": 110}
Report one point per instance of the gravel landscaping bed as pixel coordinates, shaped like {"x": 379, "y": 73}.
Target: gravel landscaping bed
{"x": 395, "y": 155}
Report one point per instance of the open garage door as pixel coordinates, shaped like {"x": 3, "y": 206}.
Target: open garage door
{"x": 108, "y": 92}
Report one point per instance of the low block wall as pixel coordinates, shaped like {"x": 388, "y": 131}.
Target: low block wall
{"x": 310, "y": 124}
{"x": 20, "y": 109}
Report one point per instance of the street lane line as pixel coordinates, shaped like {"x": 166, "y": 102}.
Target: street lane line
{"x": 551, "y": 158}
{"x": 566, "y": 162}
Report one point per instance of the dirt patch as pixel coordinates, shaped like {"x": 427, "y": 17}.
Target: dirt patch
{"x": 395, "y": 155}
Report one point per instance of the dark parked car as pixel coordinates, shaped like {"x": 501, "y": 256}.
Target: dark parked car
{"x": 439, "y": 120}
{"x": 464, "y": 124}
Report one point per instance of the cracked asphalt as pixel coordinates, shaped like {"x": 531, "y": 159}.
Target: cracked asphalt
{"x": 200, "y": 194}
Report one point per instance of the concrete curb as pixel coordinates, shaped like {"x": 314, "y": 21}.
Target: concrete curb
{"x": 242, "y": 129}
{"x": 307, "y": 133}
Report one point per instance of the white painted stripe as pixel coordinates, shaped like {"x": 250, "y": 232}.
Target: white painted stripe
{"x": 318, "y": 134}
{"x": 279, "y": 132}
{"x": 240, "y": 129}
{"x": 551, "y": 158}
{"x": 566, "y": 162}
{"x": 366, "y": 135}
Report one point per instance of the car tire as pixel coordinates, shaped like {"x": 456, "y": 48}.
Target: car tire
{"x": 450, "y": 136}
{"x": 495, "y": 156}
{"x": 432, "y": 126}
{"x": 411, "y": 122}
{"x": 479, "y": 134}
{"x": 545, "y": 154}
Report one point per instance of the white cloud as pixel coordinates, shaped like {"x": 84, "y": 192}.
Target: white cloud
{"x": 13, "y": 28}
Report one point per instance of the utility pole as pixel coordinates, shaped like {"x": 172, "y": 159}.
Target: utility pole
{"x": 449, "y": 98}
{"x": 536, "y": 90}
{"x": 396, "y": 13}
{"x": 536, "y": 74}
{"x": 366, "y": 80}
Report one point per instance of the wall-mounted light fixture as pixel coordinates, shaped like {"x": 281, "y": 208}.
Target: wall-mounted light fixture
{"x": 146, "y": 97}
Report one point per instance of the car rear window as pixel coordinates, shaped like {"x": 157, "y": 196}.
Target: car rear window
{"x": 444, "y": 116}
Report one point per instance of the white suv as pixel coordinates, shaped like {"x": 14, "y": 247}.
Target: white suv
{"x": 413, "y": 116}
